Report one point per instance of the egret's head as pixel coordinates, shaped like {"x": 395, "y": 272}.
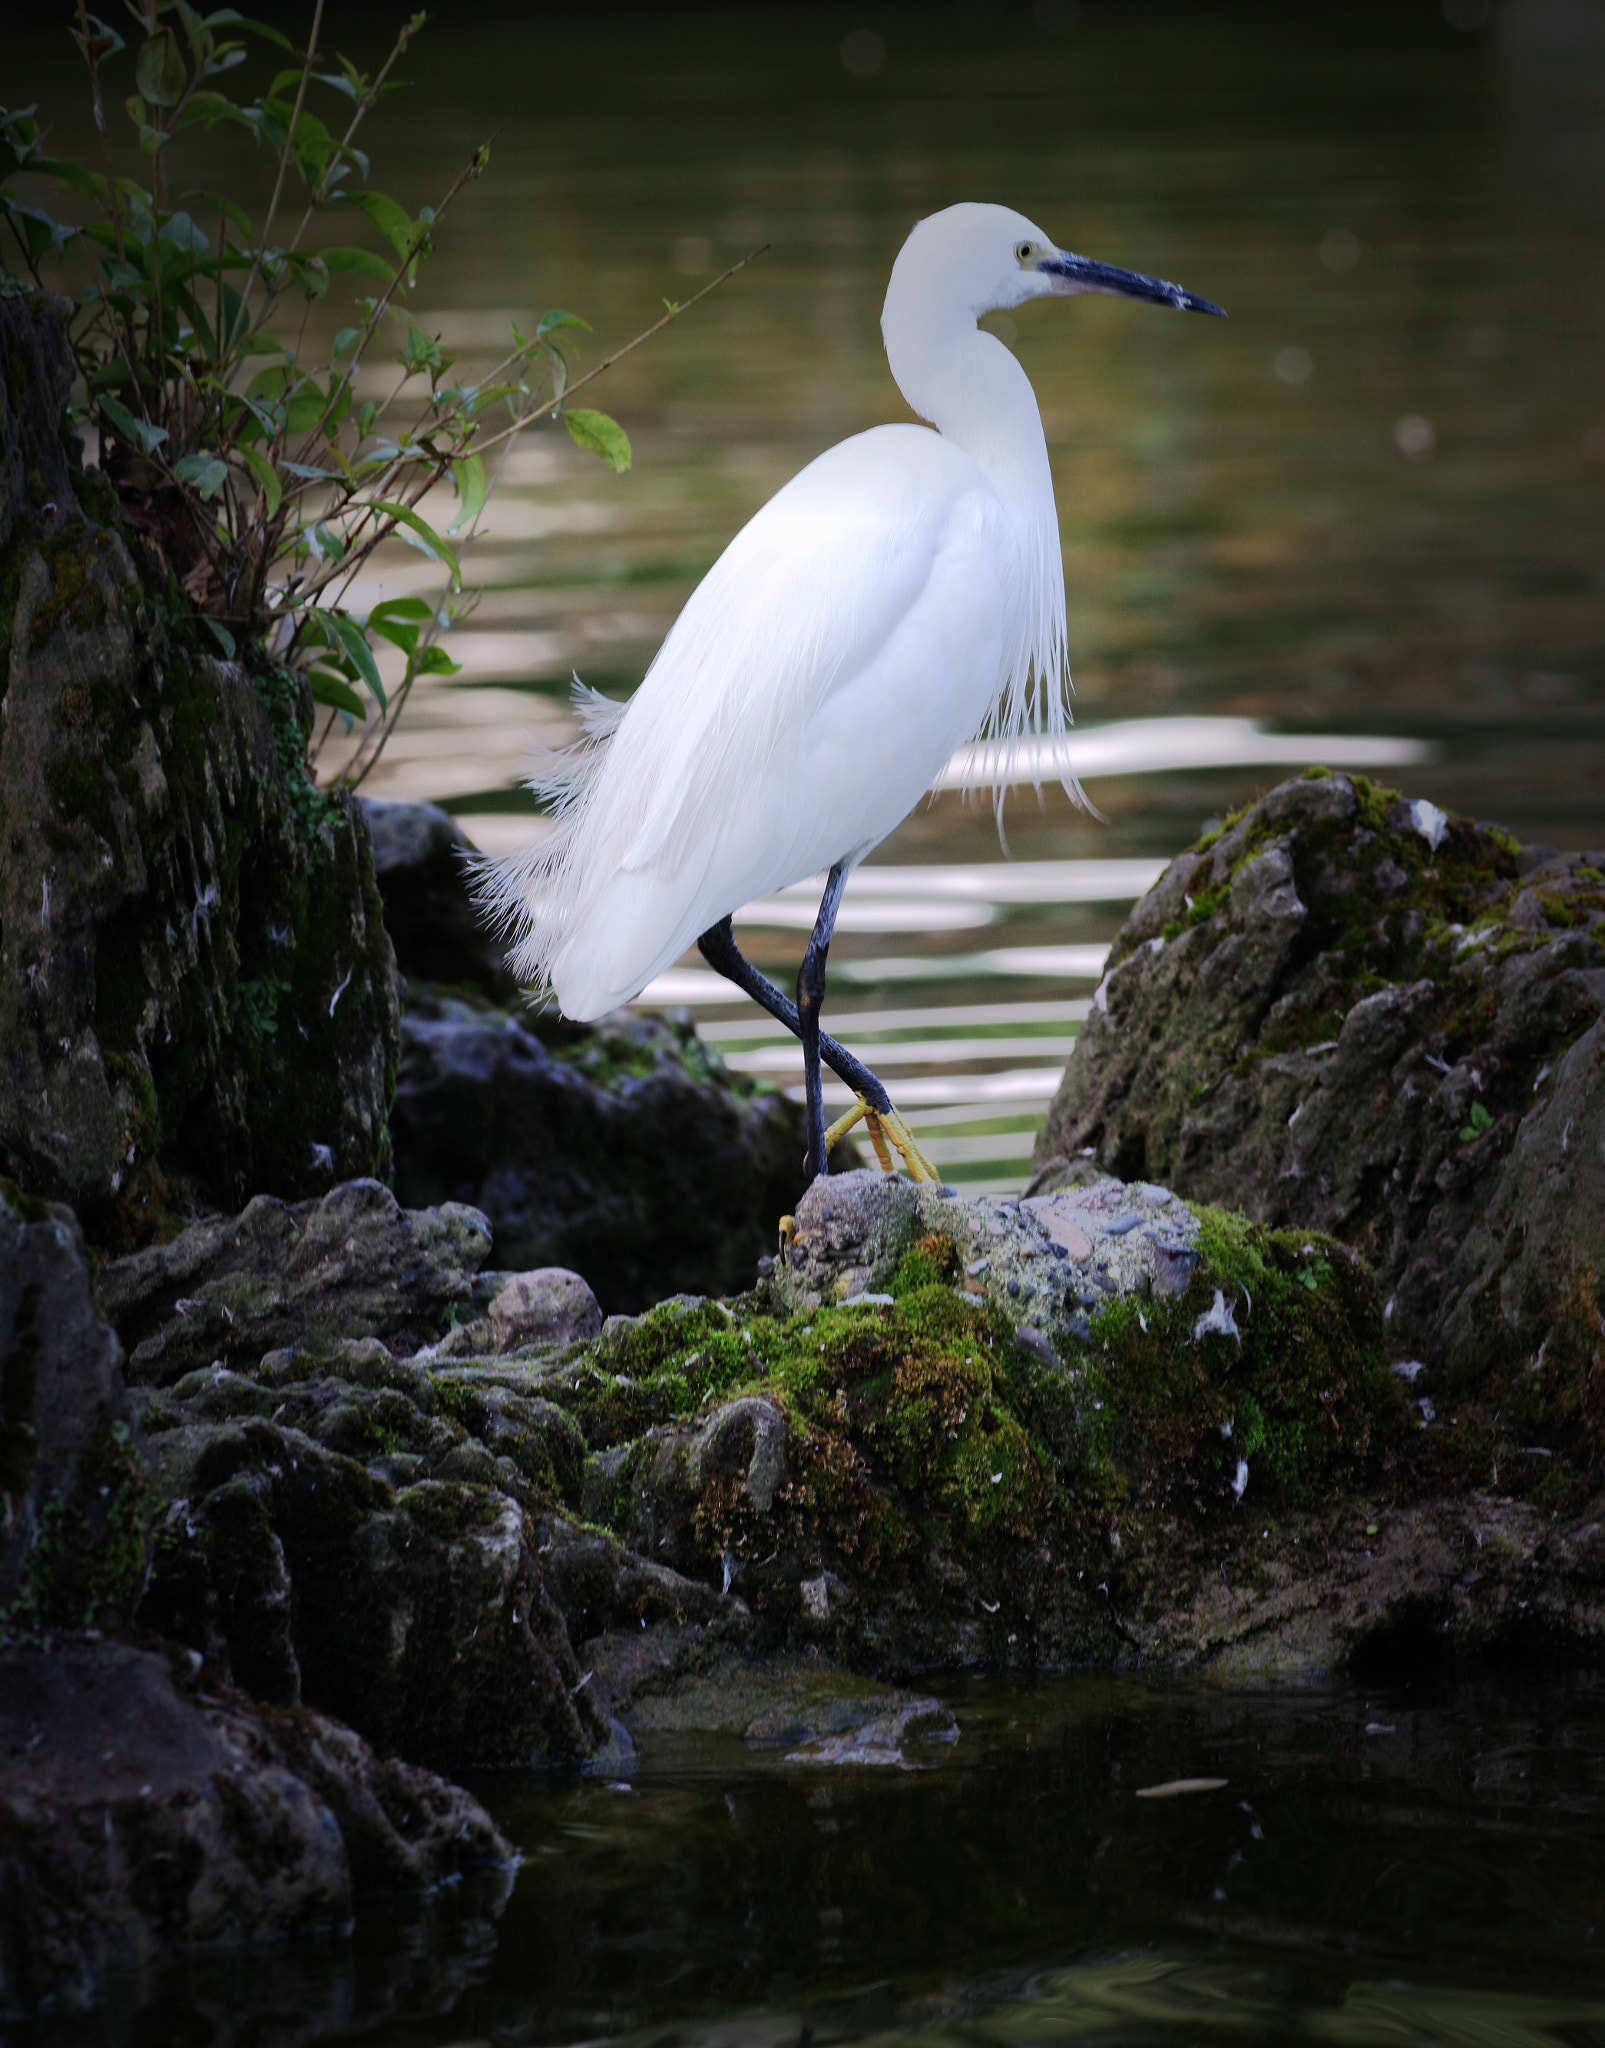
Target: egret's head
{"x": 974, "y": 259}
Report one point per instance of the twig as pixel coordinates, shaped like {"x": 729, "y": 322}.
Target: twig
{"x": 607, "y": 362}
{"x": 364, "y": 107}
{"x": 284, "y": 165}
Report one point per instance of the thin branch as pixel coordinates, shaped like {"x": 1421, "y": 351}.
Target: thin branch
{"x": 284, "y": 165}
{"x": 471, "y": 169}
{"x": 364, "y": 107}
{"x": 607, "y": 362}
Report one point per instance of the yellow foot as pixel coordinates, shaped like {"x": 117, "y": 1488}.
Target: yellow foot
{"x": 882, "y": 1125}
{"x": 788, "y": 1233}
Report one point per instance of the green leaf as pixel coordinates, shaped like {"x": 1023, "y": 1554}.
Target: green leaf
{"x": 354, "y": 643}
{"x": 397, "y": 632}
{"x": 180, "y": 230}
{"x": 159, "y": 69}
{"x": 468, "y": 474}
{"x": 550, "y": 322}
{"x": 361, "y": 260}
{"x": 405, "y": 516}
{"x": 227, "y": 18}
{"x": 136, "y": 432}
{"x": 212, "y": 107}
{"x": 1476, "y": 1123}
{"x": 307, "y": 405}
{"x": 390, "y": 219}
{"x": 335, "y": 692}
{"x": 259, "y": 343}
{"x": 208, "y": 473}
{"x": 397, "y": 619}
{"x": 435, "y": 661}
{"x": 235, "y": 214}
{"x": 222, "y": 635}
{"x": 266, "y": 475}
{"x": 604, "y": 436}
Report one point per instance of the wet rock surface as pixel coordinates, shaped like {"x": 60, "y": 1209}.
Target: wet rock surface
{"x": 1349, "y": 1012}
{"x": 141, "y": 1813}
{"x": 353, "y": 1264}
{"x": 196, "y": 989}
{"x": 626, "y": 1152}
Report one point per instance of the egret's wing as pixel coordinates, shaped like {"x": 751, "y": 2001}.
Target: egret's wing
{"x": 796, "y": 608}
{"x": 702, "y": 790}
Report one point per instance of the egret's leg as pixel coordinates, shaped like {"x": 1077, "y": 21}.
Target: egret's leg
{"x": 810, "y": 1000}
{"x": 718, "y": 947}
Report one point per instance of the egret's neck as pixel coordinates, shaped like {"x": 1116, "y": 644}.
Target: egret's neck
{"x": 975, "y": 394}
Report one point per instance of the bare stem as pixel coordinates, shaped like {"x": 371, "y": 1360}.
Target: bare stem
{"x": 284, "y": 165}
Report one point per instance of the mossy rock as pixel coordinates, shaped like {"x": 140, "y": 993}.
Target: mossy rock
{"x": 625, "y": 1151}
{"x": 194, "y": 972}
{"x": 1346, "y": 1011}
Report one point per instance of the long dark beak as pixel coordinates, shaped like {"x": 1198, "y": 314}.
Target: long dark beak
{"x": 1083, "y": 274}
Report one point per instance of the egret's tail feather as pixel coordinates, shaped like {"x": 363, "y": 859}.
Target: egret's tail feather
{"x": 531, "y": 898}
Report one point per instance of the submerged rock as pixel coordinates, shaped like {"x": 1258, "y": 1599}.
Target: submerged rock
{"x": 625, "y": 1152}
{"x": 1351, "y": 1013}
{"x": 196, "y": 990}
{"x": 142, "y": 1816}
{"x": 353, "y": 1264}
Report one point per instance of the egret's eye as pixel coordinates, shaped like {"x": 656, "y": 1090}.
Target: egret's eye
{"x": 1023, "y": 252}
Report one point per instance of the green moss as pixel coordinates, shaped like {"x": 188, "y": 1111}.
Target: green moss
{"x": 86, "y": 1565}
{"x": 79, "y": 789}
{"x": 75, "y": 598}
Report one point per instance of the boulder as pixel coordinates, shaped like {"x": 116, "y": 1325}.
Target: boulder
{"x": 1351, "y": 1013}
{"x": 351, "y": 1264}
{"x": 72, "y": 1480}
{"x": 142, "y": 1815}
{"x": 353, "y": 1532}
{"x": 197, "y": 996}
{"x": 549, "y": 1306}
{"x": 625, "y": 1152}
{"x": 1044, "y": 1261}
{"x": 424, "y": 863}
{"x": 957, "y": 1430}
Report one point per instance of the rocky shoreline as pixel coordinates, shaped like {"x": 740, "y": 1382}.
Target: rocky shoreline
{"x": 395, "y": 1383}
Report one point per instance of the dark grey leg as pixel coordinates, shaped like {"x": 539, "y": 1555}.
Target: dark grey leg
{"x": 810, "y": 1000}
{"x": 718, "y": 947}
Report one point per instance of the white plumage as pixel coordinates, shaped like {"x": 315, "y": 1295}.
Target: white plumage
{"x": 900, "y": 596}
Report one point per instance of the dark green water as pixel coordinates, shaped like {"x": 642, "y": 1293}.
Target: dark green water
{"x": 1407, "y": 1865}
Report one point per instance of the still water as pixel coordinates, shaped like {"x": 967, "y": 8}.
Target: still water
{"x": 1404, "y": 1864}
{"x": 1361, "y": 521}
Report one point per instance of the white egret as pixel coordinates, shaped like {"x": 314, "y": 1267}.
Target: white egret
{"x": 903, "y": 594}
